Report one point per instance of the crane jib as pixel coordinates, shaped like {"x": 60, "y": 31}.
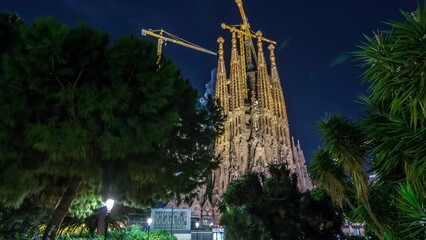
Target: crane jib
{"x": 174, "y": 39}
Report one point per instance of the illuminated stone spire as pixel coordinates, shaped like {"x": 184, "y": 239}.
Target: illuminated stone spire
{"x": 304, "y": 182}
{"x": 279, "y": 101}
{"x": 278, "y": 96}
{"x": 263, "y": 84}
{"x": 221, "y": 93}
{"x": 236, "y": 87}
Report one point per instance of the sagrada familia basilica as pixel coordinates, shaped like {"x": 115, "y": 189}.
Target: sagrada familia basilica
{"x": 256, "y": 129}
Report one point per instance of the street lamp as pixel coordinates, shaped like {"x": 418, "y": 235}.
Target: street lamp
{"x": 149, "y": 221}
{"x": 197, "y": 224}
{"x": 109, "y": 204}
{"x": 176, "y": 174}
{"x": 173, "y": 206}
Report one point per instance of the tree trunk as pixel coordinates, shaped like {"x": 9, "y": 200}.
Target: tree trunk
{"x": 62, "y": 209}
{"x": 101, "y": 221}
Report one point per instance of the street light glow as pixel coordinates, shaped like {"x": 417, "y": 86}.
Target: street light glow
{"x": 109, "y": 204}
{"x": 149, "y": 221}
{"x": 197, "y": 224}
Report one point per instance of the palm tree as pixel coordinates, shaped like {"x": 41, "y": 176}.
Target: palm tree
{"x": 395, "y": 66}
{"x": 345, "y": 141}
{"x": 391, "y": 134}
{"x": 396, "y": 119}
{"x": 326, "y": 171}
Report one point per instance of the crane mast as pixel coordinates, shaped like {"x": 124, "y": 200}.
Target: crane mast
{"x": 245, "y": 35}
{"x": 245, "y": 31}
{"x": 242, "y": 12}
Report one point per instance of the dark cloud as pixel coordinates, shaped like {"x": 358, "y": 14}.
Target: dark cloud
{"x": 284, "y": 43}
{"x": 339, "y": 60}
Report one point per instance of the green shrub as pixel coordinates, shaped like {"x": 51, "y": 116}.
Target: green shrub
{"x": 135, "y": 233}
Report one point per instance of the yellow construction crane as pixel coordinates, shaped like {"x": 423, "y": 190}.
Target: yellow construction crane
{"x": 246, "y": 37}
{"x": 164, "y": 37}
{"x": 239, "y": 31}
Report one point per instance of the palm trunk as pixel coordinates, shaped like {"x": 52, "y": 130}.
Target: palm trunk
{"x": 362, "y": 190}
{"x": 378, "y": 228}
{"x": 62, "y": 209}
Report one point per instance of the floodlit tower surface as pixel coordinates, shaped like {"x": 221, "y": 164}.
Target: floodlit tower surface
{"x": 256, "y": 129}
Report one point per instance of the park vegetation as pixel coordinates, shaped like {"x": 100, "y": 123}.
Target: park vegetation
{"x": 84, "y": 118}
{"x": 264, "y": 207}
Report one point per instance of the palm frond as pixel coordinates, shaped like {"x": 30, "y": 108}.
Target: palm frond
{"x": 396, "y": 66}
{"x": 330, "y": 175}
{"x": 412, "y": 212}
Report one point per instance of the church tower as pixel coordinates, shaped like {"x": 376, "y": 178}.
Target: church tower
{"x": 256, "y": 129}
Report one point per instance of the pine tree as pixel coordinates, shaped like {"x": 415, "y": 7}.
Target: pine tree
{"x": 79, "y": 110}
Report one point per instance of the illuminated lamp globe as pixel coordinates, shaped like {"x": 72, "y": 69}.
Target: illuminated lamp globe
{"x": 109, "y": 204}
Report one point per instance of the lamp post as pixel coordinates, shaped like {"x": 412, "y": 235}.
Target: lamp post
{"x": 176, "y": 174}
{"x": 149, "y": 221}
{"x": 197, "y": 224}
{"x": 109, "y": 204}
{"x": 173, "y": 206}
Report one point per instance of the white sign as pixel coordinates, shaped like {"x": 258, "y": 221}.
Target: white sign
{"x": 162, "y": 219}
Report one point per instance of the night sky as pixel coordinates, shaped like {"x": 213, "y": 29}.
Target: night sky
{"x": 315, "y": 40}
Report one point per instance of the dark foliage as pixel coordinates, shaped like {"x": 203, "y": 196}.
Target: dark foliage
{"x": 271, "y": 207}
{"x": 83, "y": 118}
{"x": 390, "y": 136}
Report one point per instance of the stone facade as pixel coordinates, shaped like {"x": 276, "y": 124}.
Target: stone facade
{"x": 256, "y": 130}
{"x": 305, "y": 182}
